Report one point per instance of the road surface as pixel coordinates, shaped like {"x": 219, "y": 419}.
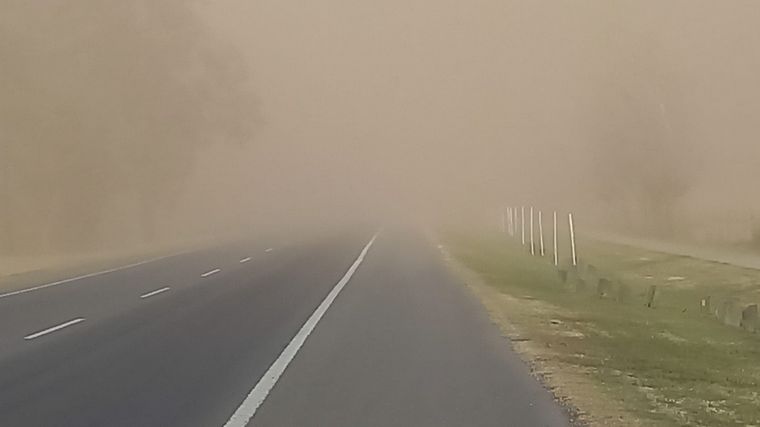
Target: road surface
{"x": 335, "y": 331}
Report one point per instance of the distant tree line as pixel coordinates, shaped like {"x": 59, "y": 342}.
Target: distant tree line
{"x": 640, "y": 157}
{"x": 103, "y": 106}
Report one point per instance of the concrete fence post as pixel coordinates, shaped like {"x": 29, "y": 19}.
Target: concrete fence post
{"x": 512, "y": 222}
{"x": 572, "y": 238}
{"x": 541, "y": 233}
{"x": 532, "y": 245}
{"x": 556, "y": 253}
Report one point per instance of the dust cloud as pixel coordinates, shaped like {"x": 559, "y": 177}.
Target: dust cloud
{"x": 104, "y": 107}
{"x": 141, "y": 121}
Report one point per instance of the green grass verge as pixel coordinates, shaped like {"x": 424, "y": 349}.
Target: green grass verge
{"x": 672, "y": 364}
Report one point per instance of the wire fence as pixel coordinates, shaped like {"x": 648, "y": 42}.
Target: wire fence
{"x": 526, "y": 225}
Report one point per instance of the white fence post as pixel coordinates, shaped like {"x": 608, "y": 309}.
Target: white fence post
{"x": 541, "y": 233}
{"x": 532, "y": 246}
{"x": 556, "y": 254}
{"x": 522, "y": 223}
{"x": 572, "y": 238}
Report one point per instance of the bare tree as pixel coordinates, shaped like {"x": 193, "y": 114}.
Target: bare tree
{"x": 639, "y": 156}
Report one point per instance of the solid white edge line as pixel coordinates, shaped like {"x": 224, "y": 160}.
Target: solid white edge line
{"x": 87, "y": 276}
{"x": 212, "y": 272}
{"x": 156, "y": 292}
{"x": 244, "y": 260}
{"x": 256, "y": 397}
{"x": 54, "y": 328}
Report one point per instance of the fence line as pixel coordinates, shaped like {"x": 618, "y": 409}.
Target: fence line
{"x": 509, "y": 227}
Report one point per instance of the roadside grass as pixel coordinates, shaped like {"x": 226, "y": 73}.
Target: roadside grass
{"x": 672, "y": 364}
{"x": 22, "y": 272}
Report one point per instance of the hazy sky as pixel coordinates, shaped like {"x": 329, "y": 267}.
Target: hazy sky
{"x": 406, "y": 99}
{"x": 489, "y": 98}
{"x": 372, "y": 110}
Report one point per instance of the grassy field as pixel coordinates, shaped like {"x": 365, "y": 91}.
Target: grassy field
{"x": 20, "y": 272}
{"x": 616, "y": 360}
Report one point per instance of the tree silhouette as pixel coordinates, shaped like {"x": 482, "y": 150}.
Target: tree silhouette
{"x": 105, "y": 102}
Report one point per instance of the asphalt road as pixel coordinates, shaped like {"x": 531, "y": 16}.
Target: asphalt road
{"x": 213, "y": 337}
